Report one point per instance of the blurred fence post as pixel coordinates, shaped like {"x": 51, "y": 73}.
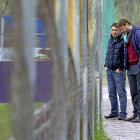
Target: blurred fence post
{"x": 61, "y": 8}
{"x": 24, "y": 70}
{"x": 2, "y": 38}
{"x": 101, "y": 53}
{"x": 73, "y": 31}
{"x": 61, "y": 17}
{"x": 97, "y": 59}
{"x": 58, "y": 127}
{"x": 84, "y": 53}
{"x": 92, "y": 44}
{"x": 74, "y": 34}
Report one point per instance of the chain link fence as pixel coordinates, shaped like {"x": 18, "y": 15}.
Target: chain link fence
{"x": 51, "y": 60}
{"x": 51, "y": 77}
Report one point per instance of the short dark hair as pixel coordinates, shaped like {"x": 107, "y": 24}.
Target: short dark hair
{"x": 114, "y": 24}
{"x": 123, "y": 22}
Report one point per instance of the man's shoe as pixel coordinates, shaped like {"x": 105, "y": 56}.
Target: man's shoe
{"x": 122, "y": 118}
{"x": 131, "y": 118}
{"x": 137, "y": 119}
{"x": 111, "y": 116}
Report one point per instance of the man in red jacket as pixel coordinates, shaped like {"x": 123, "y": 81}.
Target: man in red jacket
{"x": 132, "y": 63}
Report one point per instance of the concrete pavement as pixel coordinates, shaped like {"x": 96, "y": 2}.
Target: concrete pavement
{"x": 118, "y": 129}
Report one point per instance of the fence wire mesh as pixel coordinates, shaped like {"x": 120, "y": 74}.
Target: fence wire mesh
{"x": 50, "y": 69}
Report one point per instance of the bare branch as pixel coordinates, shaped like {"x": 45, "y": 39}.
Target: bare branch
{"x": 6, "y": 4}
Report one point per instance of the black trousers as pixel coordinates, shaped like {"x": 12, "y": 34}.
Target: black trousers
{"x": 133, "y": 74}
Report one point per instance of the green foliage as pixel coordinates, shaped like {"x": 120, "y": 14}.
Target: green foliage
{"x": 129, "y": 9}
{"x": 99, "y": 133}
{"x": 5, "y": 122}
{"x": 6, "y": 7}
{"x": 38, "y": 105}
{"x": 104, "y": 77}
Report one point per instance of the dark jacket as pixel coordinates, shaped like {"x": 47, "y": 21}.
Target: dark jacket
{"x": 136, "y": 44}
{"x": 115, "y": 53}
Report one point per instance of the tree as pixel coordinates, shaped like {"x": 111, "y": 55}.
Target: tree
{"x": 128, "y": 9}
{"x": 6, "y": 7}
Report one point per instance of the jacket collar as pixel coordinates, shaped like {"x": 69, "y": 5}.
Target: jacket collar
{"x": 117, "y": 38}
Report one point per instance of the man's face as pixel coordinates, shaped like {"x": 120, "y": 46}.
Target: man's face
{"x": 124, "y": 29}
{"x": 115, "y": 31}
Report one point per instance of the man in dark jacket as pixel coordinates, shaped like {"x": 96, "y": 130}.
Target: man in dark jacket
{"x": 116, "y": 78}
{"x": 132, "y": 63}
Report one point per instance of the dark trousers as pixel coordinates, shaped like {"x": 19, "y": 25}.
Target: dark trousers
{"x": 133, "y": 74}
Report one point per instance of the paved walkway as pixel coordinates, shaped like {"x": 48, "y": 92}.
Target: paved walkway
{"x": 118, "y": 129}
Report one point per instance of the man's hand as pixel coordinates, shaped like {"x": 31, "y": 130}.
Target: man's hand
{"x": 118, "y": 71}
{"x": 106, "y": 68}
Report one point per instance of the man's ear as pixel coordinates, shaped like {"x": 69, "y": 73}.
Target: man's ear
{"x": 126, "y": 24}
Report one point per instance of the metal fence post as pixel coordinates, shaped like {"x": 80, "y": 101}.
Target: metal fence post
{"x": 84, "y": 53}
{"x": 98, "y": 47}
{"x": 91, "y": 44}
{"x": 2, "y": 37}
{"x": 74, "y": 45}
{"x": 61, "y": 12}
{"x": 101, "y": 53}
{"x": 74, "y": 34}
{"x": 22, "y": 88}
{"x": 61, "y": 17}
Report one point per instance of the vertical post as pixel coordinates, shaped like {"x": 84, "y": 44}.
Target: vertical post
{"x": 73, "y": 22}
{"x": 29, "y": 32}
{"x": 73, "y": 31}
{"x": 92, "y": 32}
{"x": 61, "y": 18}
{"x": 101, "y": 52}
{"x": 76, "y": 54}
{"x": 99, "y": 65}
{"x": 84, "y": 53}
{"x": 98, "y": 47}
{"x": 24, "y": 67}
{"x": 58, "y": 126}
{"x": 61, "y": 13}
{"x": 2, "y": 36}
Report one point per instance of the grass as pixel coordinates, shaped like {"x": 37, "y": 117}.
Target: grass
{"x": 5, "y": 122}
{"x": 6, "y": 130}
{"x": 38, "y": 105}
{"x": 104, "y": 77}
{"x": 99, "y": 133}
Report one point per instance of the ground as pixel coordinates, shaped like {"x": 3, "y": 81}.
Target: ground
{"x": 117, "y": 129}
